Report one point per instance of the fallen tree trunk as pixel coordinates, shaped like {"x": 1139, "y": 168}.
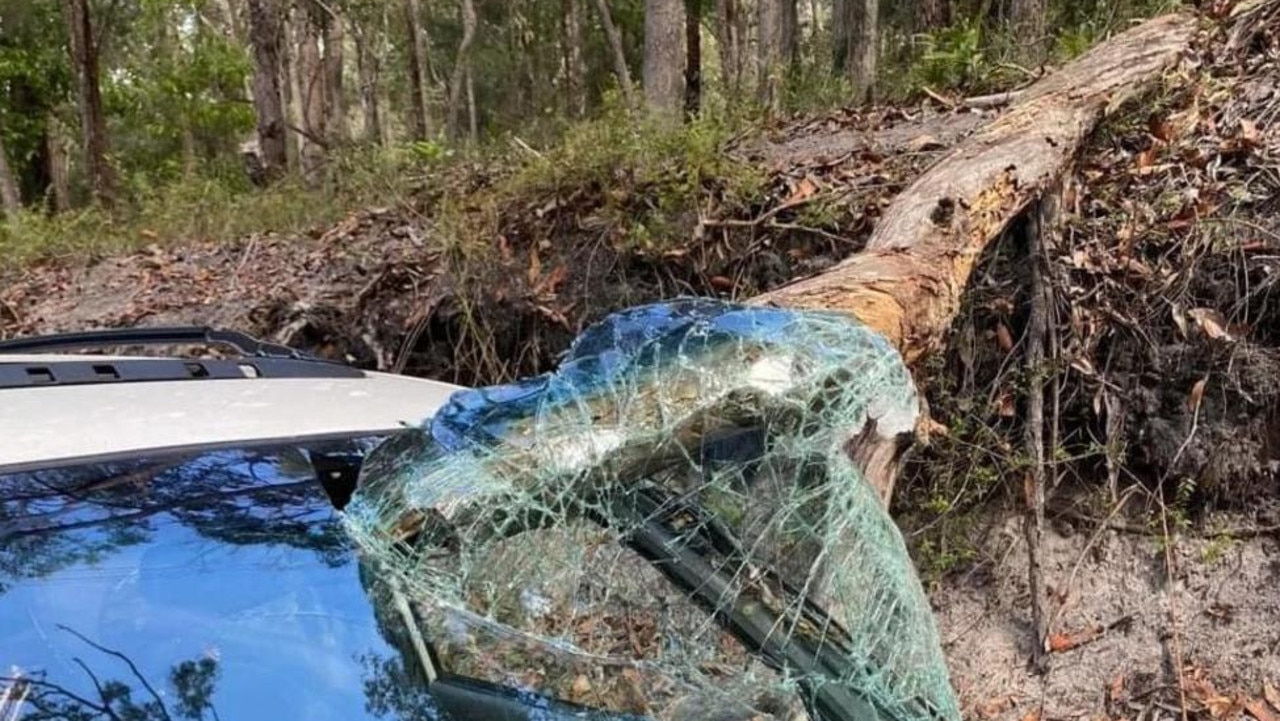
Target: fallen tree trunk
{"x": 908, "y": 282}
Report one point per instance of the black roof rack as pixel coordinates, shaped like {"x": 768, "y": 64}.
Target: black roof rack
{"x": 258, "y": 359}
{"x": 244, "y": 344}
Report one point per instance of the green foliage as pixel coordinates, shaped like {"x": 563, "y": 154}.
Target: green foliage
{"x": 953, "y": 57}
{"x": 218, "y": 204}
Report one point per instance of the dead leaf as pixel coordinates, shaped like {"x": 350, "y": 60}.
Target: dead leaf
{"x": 1258, "y": 709}
{"x": 1196, "y": 396}
{"x": 924, "y": 142}
{"x": 581, "y": 687}
{"x": 994, "y": 707}
{"x": 1032, "y": 715}
{"x": 1248, "y": 131}
{"x": 1273, "y": 697}
{"x": 1180, "y": 320}
{"x": 535, "y": 267}
{"x": 551, "y": 283}
{"x": 803, "y": 190}
{"x": 1061, "y": 642}
{"x": 1083, "y": 366}
{"x": 719, "y": 282}
{"x": 1211, "y": 322}
{"x": 1115, "y": 690}
{"x": 1004, "y": 338}
{"x": 1005, "y": 405}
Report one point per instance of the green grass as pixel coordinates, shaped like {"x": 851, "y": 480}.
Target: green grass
{"x": 209, "y": 208}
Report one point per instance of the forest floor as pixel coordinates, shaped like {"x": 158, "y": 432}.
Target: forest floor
{"x": 1163, "y": 546}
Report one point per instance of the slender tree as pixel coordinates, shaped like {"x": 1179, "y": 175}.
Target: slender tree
{"x": 854, "y": 37}
{"x": 664, "y": 56}
{"x": 56, "y": 164}
{"x": 367, "y": 34}
{"x": 617, "y": 51}
{"x": 86, "y": 46}
{"x": 1027, "y": 21}
{"x": 778, "y": 22}
{"x": 461, "y": 67}
{"x": 934, "y": 14}
{"x": 574, "y": 68}
{"x": 10, "y": 198}
{"x": 265, "y": 36}
{"x": 417, "y": 72}
{"x": 334, "y": 38}
{"x": 693, "y": 56}
{"x": 310, "y": 77}
{"x": 731, "y": 40}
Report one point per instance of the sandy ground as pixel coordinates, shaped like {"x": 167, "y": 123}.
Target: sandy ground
{"x": 1219, "y": 611}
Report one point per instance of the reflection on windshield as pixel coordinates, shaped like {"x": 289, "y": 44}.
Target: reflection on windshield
{"x": 216, "y": 585}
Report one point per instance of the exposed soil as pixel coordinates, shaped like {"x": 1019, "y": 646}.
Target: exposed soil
{"x": 1131, "y": 617}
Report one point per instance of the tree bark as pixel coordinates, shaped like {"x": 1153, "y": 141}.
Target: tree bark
{"x": 1027, "y": 22}
{"x": 368, "y": 69}
{"x": 334, "y": 36}
{"x": 417, "y": 73}
{"x": 575, "y": 72}
{"x": 855, "y": 37}
{"x": 732, "y": 42}
{"x": 693, "y": 57}
{"x": 907, "y": 283}
{"x": 309, "y": 70}
{"x": 461, "y": 66}
{"x": 934, "y": 14}
{"x": 85, "y": 56}
{"x": 619, "y": 54}
{"x": 265, "y": 36}
{"x": 55, "y": 155}
{"x": 776, "y": 49}
{"x": 10, "y": 198}
{"x": 664, "y": 56}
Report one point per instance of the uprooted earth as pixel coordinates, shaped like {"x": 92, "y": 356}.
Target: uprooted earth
{"x": 1123, "y": 318}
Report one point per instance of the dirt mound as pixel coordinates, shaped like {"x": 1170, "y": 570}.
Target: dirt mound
{"x": 394, "y": 288}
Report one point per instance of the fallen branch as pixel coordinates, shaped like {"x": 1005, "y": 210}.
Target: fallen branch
{"x": 908, "y": 282}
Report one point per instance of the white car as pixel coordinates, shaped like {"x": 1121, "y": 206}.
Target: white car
{"x": 172, "y": 547}
{"x": 169, "y": 546}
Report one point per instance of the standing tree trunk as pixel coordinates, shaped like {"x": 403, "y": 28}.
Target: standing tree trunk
{"x": 473, "y": 124}
{"x": 417, "y": 72}
{"x": 309, "y": 70}
{"x": 732, "y": 41}
{"x": 776, "y": 51}
{"x": 85, "y": 55}
{"x": 368, "y": 68}
{"x": 1027, "y": 21}
{"x": 265, "y": 36}
{"x": 56, "y": 164}
{"x": 461, "y": 66}
{"x": 334, "y": 36}
{"x": 620, "y": 67}
{"x": 575, "y": 72}
{"x": 934, "y": 14}
{"x": 664, "y": 56}
{"x": 693, "y": 57}
{"x": 10, "y": 198}
{"x": 855, "y": 35}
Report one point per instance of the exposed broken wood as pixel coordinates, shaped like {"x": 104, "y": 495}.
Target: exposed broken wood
{"x": 908, "y": 282}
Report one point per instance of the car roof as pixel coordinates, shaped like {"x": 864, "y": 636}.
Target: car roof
{"x": 57, "y": 424}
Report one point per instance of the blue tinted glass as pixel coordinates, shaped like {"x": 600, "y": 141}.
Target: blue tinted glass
{"x": 174, "y": 588}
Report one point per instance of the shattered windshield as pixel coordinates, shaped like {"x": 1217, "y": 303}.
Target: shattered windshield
{"x": 212, "y": 585}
